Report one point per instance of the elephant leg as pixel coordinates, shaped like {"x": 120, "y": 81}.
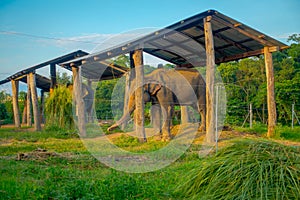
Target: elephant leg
{"x": 184, "y": 110}
{"x": 167, "y": 120}
{"x": 156, "y": 118}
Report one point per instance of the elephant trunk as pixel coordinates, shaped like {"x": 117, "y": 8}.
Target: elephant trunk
{"x": 121, "y": 121}
{"x": 126, "y": 115}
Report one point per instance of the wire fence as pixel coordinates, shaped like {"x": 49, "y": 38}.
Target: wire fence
{"x": 244, "y": 115}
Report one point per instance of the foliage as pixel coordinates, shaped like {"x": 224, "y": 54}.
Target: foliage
{"x": 103, "y": 98}
{"x": 63, "y": 78}
{"x": 245, "y": 83}
{"x": 249, "y": 169}
{"x": 6, "y": 112}
{"x": 58, "y": 109}
{"x": 3, "y": 112}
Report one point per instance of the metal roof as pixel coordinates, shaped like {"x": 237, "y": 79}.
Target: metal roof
{"x": 183, "y": 43}
{"x": 100, "y": 70}
{"x": 41, "y": 81}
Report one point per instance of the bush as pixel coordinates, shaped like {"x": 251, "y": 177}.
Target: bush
{"x": 3, "y": 112}
{"x": 59, "y": 109}
{"x": 249, "y": 169}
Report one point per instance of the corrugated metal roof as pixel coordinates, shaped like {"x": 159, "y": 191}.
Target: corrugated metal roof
{"x": 42, "y": 82}
{"x": 183, "y": 43}
{"x": 21, "y": 75}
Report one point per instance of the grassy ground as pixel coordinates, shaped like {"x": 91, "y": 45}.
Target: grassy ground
{"x": 68, "y": 171}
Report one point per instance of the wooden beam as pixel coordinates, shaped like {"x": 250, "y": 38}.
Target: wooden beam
{"x": 139, "y": 95}
{"x": 229, "y": 45}
{"x": 232, "y": 42}
{"x": 28, "y": 105}
{"x": 77, "y": 95}
{"x": 52, "y": 77}
{"x": 270, "y": 92}
{"x": 113, "y": 66}
{"x": 24, "y": 115}
{"x": 240, "y": 56}
{"x": 42, "y": 106}
{"x": 15, "y": 93}
{"x": 35, "y": 105}
{"x": 210, "y": 80}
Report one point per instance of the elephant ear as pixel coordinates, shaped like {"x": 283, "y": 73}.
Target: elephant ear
{"x": 154, "y": 88}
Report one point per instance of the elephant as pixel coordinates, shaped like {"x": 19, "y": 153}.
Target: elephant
{"x": 170, "y": 87}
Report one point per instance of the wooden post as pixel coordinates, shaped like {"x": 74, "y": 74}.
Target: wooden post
{"x": 52, "y": 77}
{"x": 89, "y": 114}
{"x": 210, "y": 80}
{"x": 15, "y": 93}
{"x": 251, "y": 115}
{"x": 42, "y": 106}
{"x": 24, "y": 115}
{"x": 184, "y": 112}
{"x": 29, "y": 114}
{"x": 35, "y": 104}
{"x": 139, "y": 94}
{"x": 293, "y": 111}
{"x": 77, "y": 95}
{"x": 270, "y": 92}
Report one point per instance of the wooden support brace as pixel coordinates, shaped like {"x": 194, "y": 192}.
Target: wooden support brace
{"x": 77, "y": 95}
{"x": 35, "y": 105}
{"x": 139, "y": 94}
{"x": 42, "y": 106}
{"x": 52, "y": 76}
{"x": 15, "y": 92}
{"x": 270, "y": 92}
{"x": 28, "y": 105}
{"x": 210, "y": 80}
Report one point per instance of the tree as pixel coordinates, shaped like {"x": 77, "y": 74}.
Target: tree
{"x": 103, "y": 98}
{"x": 58, "y": 109}
{"x": 63, "y": 78}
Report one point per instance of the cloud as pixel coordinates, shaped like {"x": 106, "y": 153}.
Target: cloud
{"x": 84, "y": 42}
{"x": 284, "y": 36}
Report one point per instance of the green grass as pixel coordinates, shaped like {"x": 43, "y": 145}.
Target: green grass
{"x": 76, "y": 174}
{"x": 288, "y": 133}
{"x": 248, "y": 169}
{"x": 257, "y": 128}
{"x": 281, "y": 132}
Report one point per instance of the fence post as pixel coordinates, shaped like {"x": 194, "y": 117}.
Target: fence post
{"x": 293, "y": 107}
{"x": 251, "y": 115}
{"x": 216, "y": 115}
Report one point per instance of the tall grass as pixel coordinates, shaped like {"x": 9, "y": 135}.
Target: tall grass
{"x": 59, "y": 109}
{"x": 249, "y": 169}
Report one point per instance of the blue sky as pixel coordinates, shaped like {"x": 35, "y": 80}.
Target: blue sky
{"x": 30, "y": 29}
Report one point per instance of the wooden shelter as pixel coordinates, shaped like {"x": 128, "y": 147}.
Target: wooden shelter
{"x": 33, "y": 82}
{"x": 206, "y": 39}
